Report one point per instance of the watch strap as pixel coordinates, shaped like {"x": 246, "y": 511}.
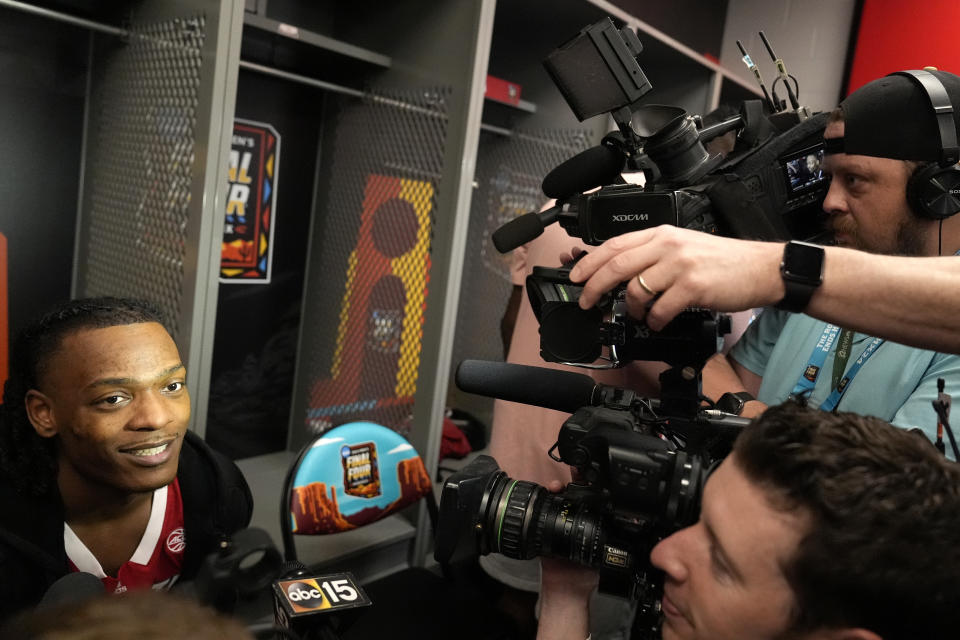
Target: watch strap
{"x": 802, "y": 273}
{"x": 796, "y": 295}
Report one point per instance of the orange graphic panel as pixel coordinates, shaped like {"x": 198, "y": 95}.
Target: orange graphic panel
{"x": 377, "y": 353}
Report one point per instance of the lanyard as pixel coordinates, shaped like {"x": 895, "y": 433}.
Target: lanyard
{"x": 844, "y": 342}
{"x": 808, "y": 379}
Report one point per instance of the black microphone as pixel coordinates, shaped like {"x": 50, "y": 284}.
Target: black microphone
{"x": 594, "y": 167}
{"x": 548, "y": 388}
{"x": 73, "y": 588}
{"x": 523, "y": 229}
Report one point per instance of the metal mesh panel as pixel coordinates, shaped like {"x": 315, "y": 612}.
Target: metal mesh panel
{"x": 370, "y": 261}
{"x": 509, "y": 172}
{"x": 139, "y": 170}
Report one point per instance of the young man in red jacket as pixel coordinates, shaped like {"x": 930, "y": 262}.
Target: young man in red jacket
{"x": 98, "y": 472}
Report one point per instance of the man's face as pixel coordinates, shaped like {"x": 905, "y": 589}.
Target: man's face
{"x": 867, "y": 203}
{"x": 724, "y": 575}
{"x": 812, "y": 163}
{"x": 117, "y": 398}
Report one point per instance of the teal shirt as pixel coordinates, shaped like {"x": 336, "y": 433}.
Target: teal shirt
{"x": 897, "y": 384}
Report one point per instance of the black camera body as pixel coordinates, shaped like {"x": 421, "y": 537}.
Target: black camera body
{"x": 634, "y": 488}
{"x": 620, "y": 208}
{"x": 769, "y": 187}
{"x": 762, "y": 190}
{"x": 640, "y": 467}
{"x": 569, "y": 334}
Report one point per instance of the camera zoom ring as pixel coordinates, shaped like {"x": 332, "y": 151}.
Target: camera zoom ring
{"x": 515, "y": 510}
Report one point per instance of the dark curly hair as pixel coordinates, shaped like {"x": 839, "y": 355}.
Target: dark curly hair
{"x": 28, "y": 461}
{"x": 883, "y": 550}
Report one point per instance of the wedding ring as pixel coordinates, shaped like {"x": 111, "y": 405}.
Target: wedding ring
{"x": 645, "y": 286}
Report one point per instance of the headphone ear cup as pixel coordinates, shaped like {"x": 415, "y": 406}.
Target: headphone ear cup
{"x": 933, "y": 191}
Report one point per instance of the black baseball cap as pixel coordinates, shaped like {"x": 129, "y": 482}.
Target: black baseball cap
{"x": 892, "y": 117}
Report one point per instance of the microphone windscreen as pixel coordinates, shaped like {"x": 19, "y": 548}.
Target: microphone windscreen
{"x": 292, "y": 569}
{"x": 549, "y": 388}
{"x": 594, "y": 167}
{"x": 72, "y": 588}
{"x": 518, "y": 231}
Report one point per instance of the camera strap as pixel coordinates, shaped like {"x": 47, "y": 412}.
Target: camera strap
{"x": 808, "y": 379}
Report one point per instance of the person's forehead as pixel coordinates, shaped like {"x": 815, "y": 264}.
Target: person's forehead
{"x": 863, "y": 165}
{"x": 113, "y": 351}
{"x": 748, "y": 523}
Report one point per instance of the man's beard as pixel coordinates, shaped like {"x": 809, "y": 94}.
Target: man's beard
{"x": 909, "y": 239}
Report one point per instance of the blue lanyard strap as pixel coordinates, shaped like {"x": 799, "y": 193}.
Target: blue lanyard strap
{"x": 808, "y": 379}
{"x": 834, "y": 398}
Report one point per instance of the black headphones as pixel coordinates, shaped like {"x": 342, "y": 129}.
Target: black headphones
{"x": 933, "y": 191}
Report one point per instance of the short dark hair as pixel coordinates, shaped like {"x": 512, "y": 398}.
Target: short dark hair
{"x": 27, "y": 460}
{"x": 146, "y": 613}
{"x": 883, "y": 549}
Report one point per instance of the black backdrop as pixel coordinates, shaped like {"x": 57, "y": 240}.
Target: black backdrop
{"x": 43, "y": 74}
{"x": 256, "y": 332}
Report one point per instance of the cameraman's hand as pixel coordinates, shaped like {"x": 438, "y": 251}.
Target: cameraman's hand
{"x": 687, "y": 268}
{"x": 565, "y": 589}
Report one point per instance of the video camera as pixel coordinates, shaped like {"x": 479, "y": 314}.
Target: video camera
{"x": 641, "y": 463}
{"x": 753, "y": 193}
{"x": 640, "y": 469}
{"x": 770, "y": 187}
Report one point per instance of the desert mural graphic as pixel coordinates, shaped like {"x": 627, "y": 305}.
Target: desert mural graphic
{"x": 354, "y": 475}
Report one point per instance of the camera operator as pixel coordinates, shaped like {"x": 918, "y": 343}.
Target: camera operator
{"x": 98, "y": 472}
{"x": 521, "y": 434}
{"x": 879, "y": 142}
{"x": 818, "y": 525}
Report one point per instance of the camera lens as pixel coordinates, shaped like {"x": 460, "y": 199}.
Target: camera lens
{"x": 523, "y": 520}
{"x": 507, "y": 511}
{"x": 613, "y": 528}
{"x": 682, "y": 501}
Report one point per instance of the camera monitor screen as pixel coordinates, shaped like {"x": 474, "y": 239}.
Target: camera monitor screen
{"x": 803, "y": 170}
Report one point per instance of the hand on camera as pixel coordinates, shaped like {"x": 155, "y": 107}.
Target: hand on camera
{"x": 564, "y": 578}
{"x": 681, "y": 268}
{"x": 565, "y": 589}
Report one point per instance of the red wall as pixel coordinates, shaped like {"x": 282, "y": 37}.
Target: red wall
{"x": 897, "y": 34}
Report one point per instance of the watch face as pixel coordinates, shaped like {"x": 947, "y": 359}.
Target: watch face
{"x": 803, "y": 262}
{"x": 731, "y": 403}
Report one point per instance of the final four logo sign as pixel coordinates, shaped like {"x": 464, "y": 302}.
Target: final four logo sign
{"x": 361, "y": 470}
{"x": 247, "y": 250}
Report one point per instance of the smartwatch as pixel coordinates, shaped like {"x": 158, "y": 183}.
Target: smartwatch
{"x": 732, "y": 402}
{"x": 802, "y": 272}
